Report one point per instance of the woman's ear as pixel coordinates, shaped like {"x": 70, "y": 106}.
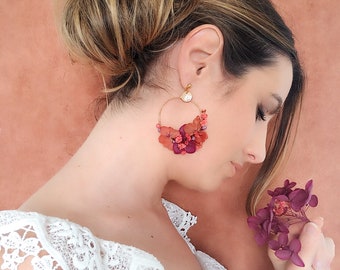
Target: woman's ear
{"x": 201, "y": 49}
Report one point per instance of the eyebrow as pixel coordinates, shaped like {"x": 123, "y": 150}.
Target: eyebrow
{"x": 276, "y": 109}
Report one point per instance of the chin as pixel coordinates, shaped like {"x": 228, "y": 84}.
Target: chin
{"x": 207, "y": 183}
{"x": 210, "y": 186}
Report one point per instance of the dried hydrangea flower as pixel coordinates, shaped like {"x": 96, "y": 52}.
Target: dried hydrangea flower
{"x": 287, "y": 206}
{"x": 285, "y": 250}
{"x": 188, "y": 138}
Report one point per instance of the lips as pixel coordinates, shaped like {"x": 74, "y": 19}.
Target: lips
{"x": 237, "y": 166}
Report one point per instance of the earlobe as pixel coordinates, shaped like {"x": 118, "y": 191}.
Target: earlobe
{"x": 200, "y": 48}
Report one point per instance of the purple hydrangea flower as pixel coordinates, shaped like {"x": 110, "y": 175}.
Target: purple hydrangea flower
{"x": 302, "y": 197}
{"x": 287, "y": 206}
{"x": 261, "y": 223}
{"x": 285, "y": 190}
{"x": 285, "y": 250}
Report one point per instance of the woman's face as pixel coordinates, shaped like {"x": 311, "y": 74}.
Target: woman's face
{"x": 237, "y": 123}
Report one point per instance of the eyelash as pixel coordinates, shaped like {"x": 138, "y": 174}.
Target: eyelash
{"x": 260, "y": 115}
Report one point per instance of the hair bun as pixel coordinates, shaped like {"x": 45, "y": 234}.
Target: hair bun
{"x": 113, "y": 34}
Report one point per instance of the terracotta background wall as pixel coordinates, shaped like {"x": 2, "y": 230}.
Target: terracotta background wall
{"x": 46, "y": 110}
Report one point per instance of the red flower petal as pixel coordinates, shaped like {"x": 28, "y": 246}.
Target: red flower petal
{"x": 197, "y": 123}
{"x": 174, "y": 133}
{"x": 202, "y": 136}
{"x": 164, "y": 130}
{"x": 190, "y": 128}
{"x": 166, "y": 141}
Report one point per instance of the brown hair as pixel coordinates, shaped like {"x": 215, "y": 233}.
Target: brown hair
{"x": 124, "y": 37}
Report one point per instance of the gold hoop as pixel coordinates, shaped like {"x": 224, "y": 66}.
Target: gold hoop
{"x": 190, "y": 136}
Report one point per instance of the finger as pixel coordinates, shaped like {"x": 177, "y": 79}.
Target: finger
{"x": 317, "y": 251}
{"x": 330, "y": 246}
{"x": 325, "y": 255}
{"x": 319, "y": 221}
{"x": 311, "y": 237}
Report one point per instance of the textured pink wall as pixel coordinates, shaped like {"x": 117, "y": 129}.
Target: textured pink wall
{"x": 46, "y": 111}
{"x": 44, "y": 99}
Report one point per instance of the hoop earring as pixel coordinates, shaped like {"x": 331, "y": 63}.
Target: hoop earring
{"x": 190, "y": 136}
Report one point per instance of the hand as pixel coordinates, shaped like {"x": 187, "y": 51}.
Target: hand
{"x": 317, "y": 251}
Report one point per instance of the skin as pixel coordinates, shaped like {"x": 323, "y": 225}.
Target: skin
{"x": 123, "y": 190}
{"x": 317, "y": 251}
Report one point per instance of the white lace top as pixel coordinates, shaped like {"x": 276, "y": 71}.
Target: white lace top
{"x": 50, "y": 243}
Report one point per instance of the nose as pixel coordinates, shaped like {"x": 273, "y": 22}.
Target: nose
{"x": 255, "y": 151}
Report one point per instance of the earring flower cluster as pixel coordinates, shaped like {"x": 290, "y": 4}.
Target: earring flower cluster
{"x": 287, "y": 206}
{"x": 188, "y": 138}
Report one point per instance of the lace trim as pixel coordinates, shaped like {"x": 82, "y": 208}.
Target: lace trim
{"x": 63, "y": 245}
{"x": 182, "y": 220}
{"x": 49, "y": 243}
{"x": 21, "y": 244}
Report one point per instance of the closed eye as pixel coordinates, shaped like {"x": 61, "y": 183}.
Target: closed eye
{"x": 260, "y": 114}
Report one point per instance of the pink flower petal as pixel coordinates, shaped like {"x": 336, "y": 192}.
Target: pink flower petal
{"x": 261, "y": 238}
{"x": 297, "y": 260}
{"x": 313, "y": 201}
{"x": 274, "y": 245}
{"x": 309, "y": 186}
{"x": 295, "y": 245}
{"x": 283, "y": 254}
{"x": 283, "y": 239}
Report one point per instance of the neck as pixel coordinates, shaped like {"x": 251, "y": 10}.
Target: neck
{"x": 113, "y": 169}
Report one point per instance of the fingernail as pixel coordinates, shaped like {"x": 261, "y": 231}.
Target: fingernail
{"x": 330, "y": 245}
{"x": 318, "y": 266}
{"x": 311, "y": 227}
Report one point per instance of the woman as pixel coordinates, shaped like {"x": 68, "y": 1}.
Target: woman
{"x": 191, "y": 88}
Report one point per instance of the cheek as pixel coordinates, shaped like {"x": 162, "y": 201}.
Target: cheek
{"x": 231, "y": 133}
{"x": 234, "y": 116}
